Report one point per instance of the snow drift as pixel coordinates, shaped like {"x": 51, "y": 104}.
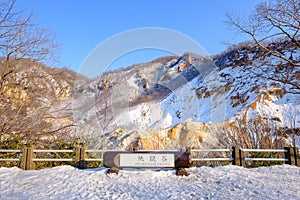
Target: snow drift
{"x": 227, "y": 182}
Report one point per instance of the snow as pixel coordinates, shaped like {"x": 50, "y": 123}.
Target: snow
{"x": 209, "y": 96}
{"x": 226, "y": 182}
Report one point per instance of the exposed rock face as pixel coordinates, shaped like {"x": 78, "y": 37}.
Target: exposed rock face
{"x": 183, "y": 65}
{"x": 187, "y": 134}
{"x": 34, "y": 100}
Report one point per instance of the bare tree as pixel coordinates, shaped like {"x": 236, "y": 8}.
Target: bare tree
{"x": 21, "y": 38}
{"x": 23, "y": 43}
{"x": 30, "y": 108}
{"x": 274, "y": 28}
{"x": 256, "y": 133}
{"x": 104, "y": 116}
{"x": 292, "y": 131}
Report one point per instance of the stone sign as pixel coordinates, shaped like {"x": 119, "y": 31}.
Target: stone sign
{"x": 147, "y": 160}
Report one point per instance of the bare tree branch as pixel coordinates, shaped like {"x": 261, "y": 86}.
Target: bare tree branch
{"x": 274, "y": 28}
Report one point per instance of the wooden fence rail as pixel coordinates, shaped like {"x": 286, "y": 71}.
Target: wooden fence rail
{"x": 28, "y": 156}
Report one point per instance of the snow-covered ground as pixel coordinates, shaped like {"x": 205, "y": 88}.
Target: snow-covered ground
{"x": 228, "y": 182}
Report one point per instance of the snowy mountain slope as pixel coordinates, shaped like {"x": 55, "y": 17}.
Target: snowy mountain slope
{"x": 161, "y": 94}
{"x": 227, "y": 182}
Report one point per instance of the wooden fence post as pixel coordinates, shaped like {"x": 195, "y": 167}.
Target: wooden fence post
{"x": 290, "y": 155}
{"x": 27, "y": 159}
{"x": 83, "y": 163}
{"x": 242, "y": 158}
{"x": 236, "y": 156}
{"x": 297, "y": 157}
{"x": 30, "y": 165}
{"x": 80, "y": 157}
{"x": 77, "y": 156}
{"x": 23, "y": 158}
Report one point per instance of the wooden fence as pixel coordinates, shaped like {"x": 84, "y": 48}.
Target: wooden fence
{"x": 240, "y": 157}
{"x": 27, "y": 157}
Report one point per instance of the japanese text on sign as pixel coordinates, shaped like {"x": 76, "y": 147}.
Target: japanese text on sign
{"x": 147, "y": 160}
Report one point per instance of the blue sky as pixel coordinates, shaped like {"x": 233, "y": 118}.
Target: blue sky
{"x": 80, "y": 26}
